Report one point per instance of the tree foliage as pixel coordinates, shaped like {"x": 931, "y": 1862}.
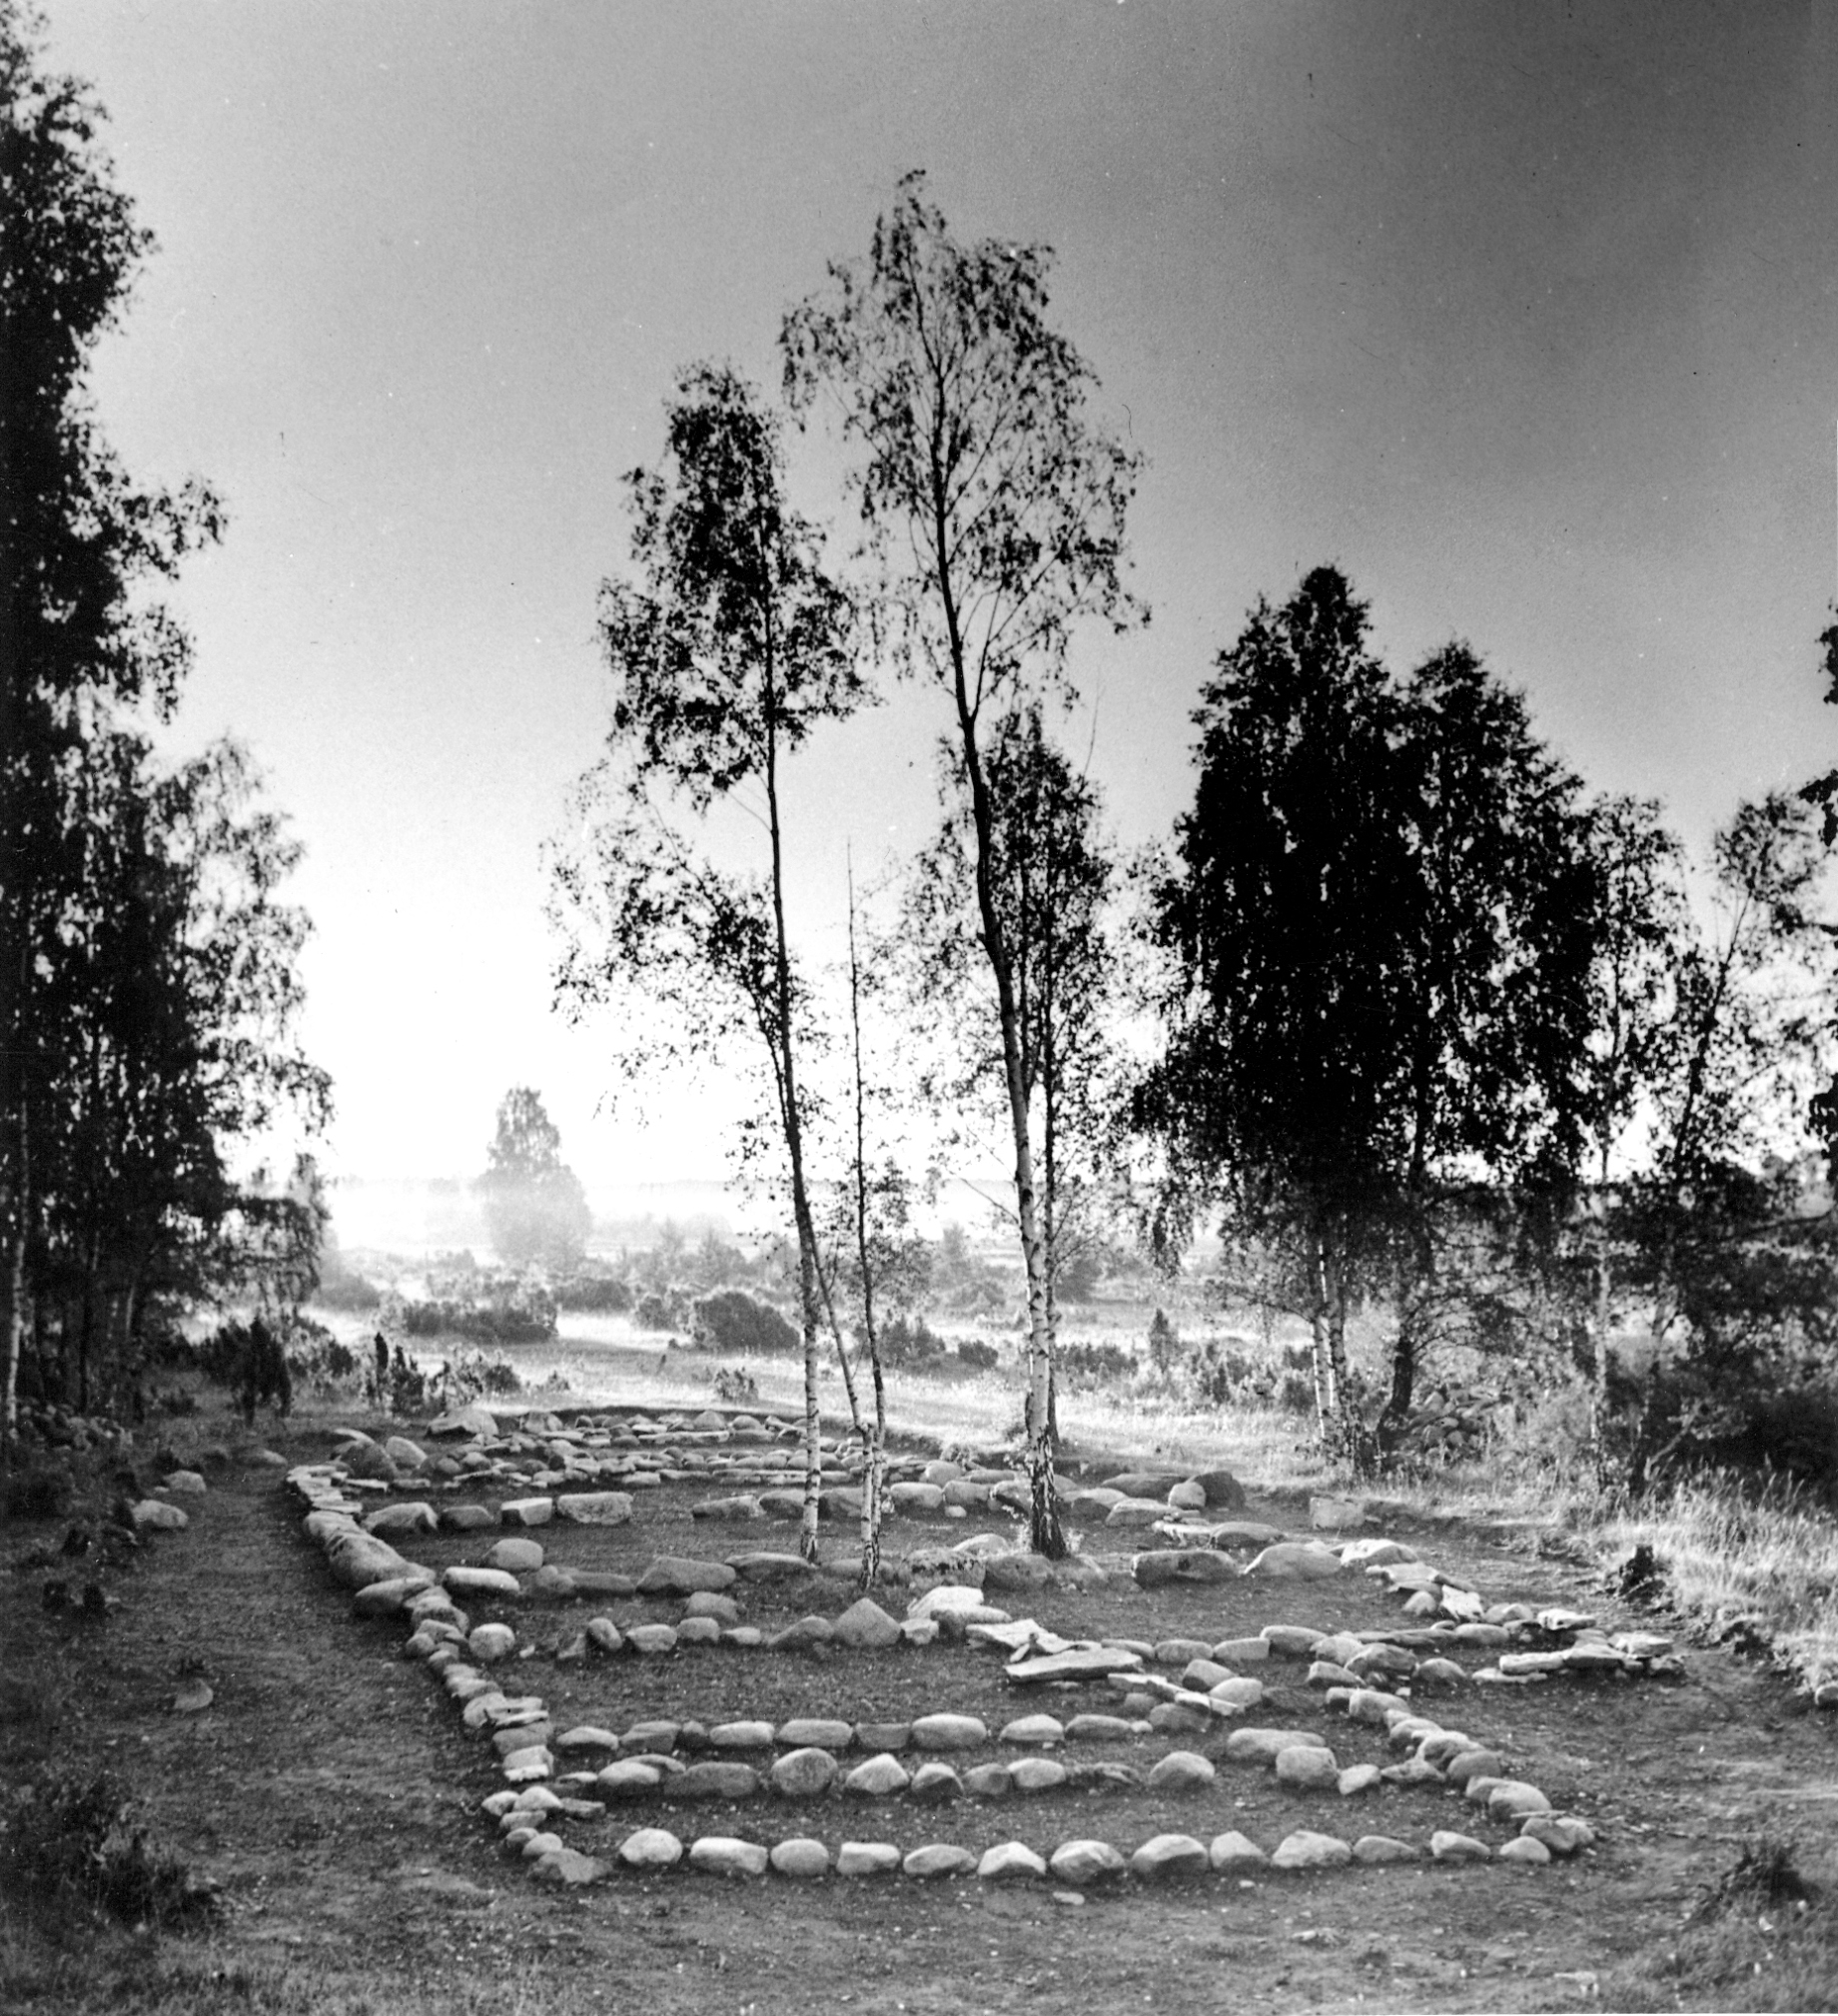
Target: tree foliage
{"x": 729, "y": 646}
{"x": 994, "y": 508}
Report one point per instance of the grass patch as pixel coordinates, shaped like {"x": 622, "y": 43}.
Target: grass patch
{"x": 76, "y": 1841}
{"x": 1723, "y": 1546}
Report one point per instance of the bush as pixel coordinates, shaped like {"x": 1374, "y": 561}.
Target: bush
{"x": 594, "y": 1294}
{"x": 350, "y": 1294}
{"x": 250, "y": 1359}
{"x": 319, "y": 1359}
{"x": 78, "y": 1837}
{"x": 976, "y": 1354}
{"x": 661, "y": 1310}
{"x": 909, "y": 1341}
{"x": 506, "y": 1311}
{"x": 41, "y": 1489}
{"x": 479, "y": 1377}
{"x": 1086, "y": 1368}
{"x": 731, "y": 1321}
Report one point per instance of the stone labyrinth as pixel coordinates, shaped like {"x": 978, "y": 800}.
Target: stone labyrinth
{"x": 620, "y": 1668}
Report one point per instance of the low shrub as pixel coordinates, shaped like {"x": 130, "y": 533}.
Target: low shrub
{"x": 909, "y": 1341}
{"x": 731, "y": 1321}
{"x": 79, "y": 1838}
{"x": 665, "y": 1308}
{"x": 39, "y": 1489}
{"x": 514, "y": 1312}
{"x": 734, "y": 1385}
{"x": 477, "y": 1378}
{"x": 251, "y": 1361}
{"x": 1092, "y": 1368}
{"x": 977, "y": 1354}
{"x": 594, "y": 1294}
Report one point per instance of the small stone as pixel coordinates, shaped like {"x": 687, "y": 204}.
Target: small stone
{"x": 1413, "y": 1771}
{"x": 650, "y": 1849}
{"x": 1135, "y": 1512}
{"x": 710, "y": 1603}
{"x": 1331, "y": 1515}
{"x": 725, "y": 1855}
{"x": 812, "y": 1732}
{"x": 1291, "y": 1641}
{"x": 526, "y": 1512}
{"x": 1037, "y": 1774}
{"x": 1475, "y": 1763}
{"x": 1100, "y": 1729}
{"x": 935, "y": 1784}
{"x": 803, "y": 1774}
{"x": 1439, "y": 1673}
{"x": 1324, "y": 1673}
{"x": 939, "y": 1859}
{"x": 864, "y": 1625}
{"x": 725, "y": 1509}
{"x": 1446, "y": 1847}
{"x": 674, "y": 1575}
{"x": 490, "y": 1642}
{"x": 1169, "y": 1858}
{"x": 524, "y": 1767}
{"x": 801, "y": 1635}
{"x": 1039, "y": 1729}
{"x": 742, "y": 1736}
{"x": 949, "y": 1732}
{"x": 391, "y": 1520}
{"x": 629, "y": 1778}
{"x": 1515, "y": 1800}
{"x": 1375, "y": 1848}
{"x": 1086, "y": 1863}
{"x": 1236, "y": 1694}
{"x": 651, "y": 1639}
{"x": 1306, "y": 1768}
{"x": 1562, "y": 1836}
{"x": 1359, "y": 1778}
{"x": 515, "y": 1557}
{"x": 159, "y": 1517}
{"x": 604, "y": 1635}
{"x": 1186, "y": 1717}
{"x": 1524, "y": 1848}
{"x": 594, "y": 1507}
{"x": 1305, "y": 1850}
{"x": 800, "y": 1857}
{"x": 877, "y": 1778}
{"x": 1235, "y": 1652}
{"x": 586, "y": 1736}
{"x": 467, "y": 1518}
{"x": 883, "y": 1735}
{"x": 1234, "y": 1851}
{"x": 699, "y": 1631}
{"x": 867, "y": 1858}
{"x": 989, "y": 1781}
{"x": 1184, "y": 1771}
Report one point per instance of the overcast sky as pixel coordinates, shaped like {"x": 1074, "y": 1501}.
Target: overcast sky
{"x": 1522, "y": 314}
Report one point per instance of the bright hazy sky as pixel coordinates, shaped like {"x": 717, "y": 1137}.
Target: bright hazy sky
{"x": 1523, "y": 315}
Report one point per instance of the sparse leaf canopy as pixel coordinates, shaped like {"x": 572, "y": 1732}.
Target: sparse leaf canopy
{"x": 733, "y": 642}
{"x": 993, "y": 503}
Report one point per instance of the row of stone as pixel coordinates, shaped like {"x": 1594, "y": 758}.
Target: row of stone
{"x": 1078, "y": 1865}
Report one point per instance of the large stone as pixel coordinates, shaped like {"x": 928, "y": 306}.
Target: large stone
{"x": 803, "y": 1774}
{"x": 802, "y": 1635}
{"x": 1381, "y": 1848}
{"x": 949, "y": 1732}
{"x": 1092, "y": 1729}
{"x": 1264, "y": 1746}
{"x": 470, "y": 1420}
{"x": 384, "y": 1598}
{"x": 482, "y": 1582}
{"x": 604, "y": 1635}
{"x": 865, "y": 1626}
{"x": 356, "y": 1559}
{"x": 676, "y": 1576}
{"x": 1084, "y": 1864}
{"x": 725, "y": 1855}
{"x": 1467, "y": 1764}
{"x": 1448, "y": 1847}
{"x": 650, "y": 1849}
{"x": 1182, "y": 1771}
{"x": 404, "y": 1454}
{"x": 867, "y": 1858}
{"x": 1222, "y": 1491}
{"x": 1526, "y": 1849}
{"x": 1037, "y": 1774}
{"x": 410, "y": 1516}
{"x": 1291, "y": 1641}
{"x": 989, "y": 1781}
{"x": 1306, "y": 1849}
{"x": 595, "y": 1508}
{"x": 720, "y": 1510}
{"x": 1008, "y": 1862}
{"x": 1132, "y": 1513}
{"x": 710, "y": 1603}
{"x": 1294, "y": 1561}
{"x": 1562, "y": 1836}
{"x": 526, "y": 1512}
{"x": 1042, "y": 1730}
{"x": 1236, "y": 1694}
{"x": 1515, "y": 1800}
{"x": 1357, "y": 1778}
{"x": 515, "y": 1557}
{"x": 490, "y": 1642}
{"x": 1306, "y": 1768}
{"x": 1082, "y": 1664}
{"x": 917, "y": 1497}
{"x": 651, "y": 1639}
{"x": 467, "y": 1518}
{"x": 715, "y": 1779}
{"x": 935, "y": 1784}
{"x": 629, "y": 1778}
{"x": 1169, "y": 1858}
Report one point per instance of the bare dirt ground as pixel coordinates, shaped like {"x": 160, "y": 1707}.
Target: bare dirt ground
{"x": 332, "y": 1792}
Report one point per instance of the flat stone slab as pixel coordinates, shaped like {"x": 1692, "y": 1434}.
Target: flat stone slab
{"x": 1093, "y": 1662}
{"x": 595, "y": 1508}
{"x": 678, "y": 1575}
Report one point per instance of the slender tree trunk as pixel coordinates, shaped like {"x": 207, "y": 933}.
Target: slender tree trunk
{"x": 1045, "y": 1533}
{"x": 874, "y": 1438}
{"x": 1327, "y": 1397}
